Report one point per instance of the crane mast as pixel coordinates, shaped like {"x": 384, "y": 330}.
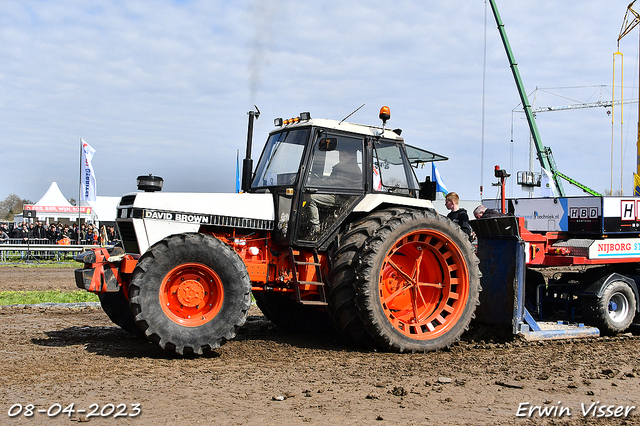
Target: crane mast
{"x": 631, "y": 20}
{"x": 544, "y": 153}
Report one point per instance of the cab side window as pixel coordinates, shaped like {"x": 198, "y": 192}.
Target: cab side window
{"x": 389, "y": 171}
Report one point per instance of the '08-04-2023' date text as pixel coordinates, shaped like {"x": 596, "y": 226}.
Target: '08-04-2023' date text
{"x": 94, "y": 410}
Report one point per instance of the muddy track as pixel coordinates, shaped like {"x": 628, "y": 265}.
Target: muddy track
{"x": 269, "y": 377}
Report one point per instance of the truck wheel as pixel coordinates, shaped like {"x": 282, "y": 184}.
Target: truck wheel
{"x": 417, "y": 282}
{"x": 116, "y": 306}
{"x": 286, "y": 314}
{"x": 190, "y": 293}
{"x": 612, "y": 313}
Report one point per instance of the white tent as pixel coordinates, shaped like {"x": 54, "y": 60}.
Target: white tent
{"x": 53, "y": 197}
{"x": 54, "y": 207}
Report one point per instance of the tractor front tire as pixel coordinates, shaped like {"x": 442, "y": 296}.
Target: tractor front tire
{"x": 612, "y": 313}
{"x": 416, "y": 282}
{"x": 190, "y": 293}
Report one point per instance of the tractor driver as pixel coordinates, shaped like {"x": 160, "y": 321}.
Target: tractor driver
{"x": 344, "y": 174}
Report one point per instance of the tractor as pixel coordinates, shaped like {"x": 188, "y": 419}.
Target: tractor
{"x": 332, "y": 229}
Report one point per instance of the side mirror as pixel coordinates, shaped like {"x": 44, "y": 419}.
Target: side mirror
{"x": 327, "y": 144}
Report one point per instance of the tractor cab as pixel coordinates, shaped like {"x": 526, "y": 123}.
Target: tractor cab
{"x": 320, "y": 170}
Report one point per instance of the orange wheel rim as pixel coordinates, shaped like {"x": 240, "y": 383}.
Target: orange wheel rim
{"x": 191, "y": 294}
{"x": 423, "y": 284}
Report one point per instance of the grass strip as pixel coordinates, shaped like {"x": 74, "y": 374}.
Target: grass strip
{"x": 53, "y": 296}
{"x": 71, "y": 264}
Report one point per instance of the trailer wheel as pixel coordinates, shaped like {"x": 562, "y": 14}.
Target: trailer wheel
{"x": 417, "y": 283}
{"x": 190, "y": 293}
{"x": 612, "y": 313}
{"x": 116, "y": 306}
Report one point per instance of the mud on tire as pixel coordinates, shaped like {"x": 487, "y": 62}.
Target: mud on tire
{"x": 404, "y": 280}
{"x": 190, "y": 293}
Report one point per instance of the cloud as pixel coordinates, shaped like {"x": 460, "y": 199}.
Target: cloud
{"x": 164, "y": 87}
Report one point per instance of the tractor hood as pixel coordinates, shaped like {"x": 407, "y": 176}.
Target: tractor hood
{"x": 156, "y": 215}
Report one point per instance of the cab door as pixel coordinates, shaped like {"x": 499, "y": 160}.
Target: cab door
{"x": 334, "y": 180}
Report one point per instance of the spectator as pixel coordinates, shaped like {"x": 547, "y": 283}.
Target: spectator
{"x": 89, "y": 235}
{"x": 39, "y": 232}
{"x": 17, "y": 232}
{"x": 5, "y": 228}
{"x": 4, "y": 237}
{"x": 111, "y": 235}
{"x": 458, "y": 214}
{"x": 83, "y": 232}
{"x": 481, "y": 212}
{"x": 66, "y": 232}
{"x": 53, "y": 234}
{"x": 74, "y": 233}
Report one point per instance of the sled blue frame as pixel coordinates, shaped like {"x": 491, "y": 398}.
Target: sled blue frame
{"x": 502, "y": 301}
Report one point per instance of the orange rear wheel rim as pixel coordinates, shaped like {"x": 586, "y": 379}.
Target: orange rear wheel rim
{"x": 191, "y": 294}
{"x": 423, "y": 284}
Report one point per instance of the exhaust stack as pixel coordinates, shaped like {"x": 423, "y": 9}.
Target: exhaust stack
{"x": 247, "y": 163}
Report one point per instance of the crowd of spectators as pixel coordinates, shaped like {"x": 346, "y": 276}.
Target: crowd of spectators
{"x": 57, "y": 233}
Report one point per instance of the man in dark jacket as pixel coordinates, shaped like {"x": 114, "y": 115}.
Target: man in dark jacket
{"x": 4, "y": 236}
{"x": 39, "y": 231}
{"x": 53, "y": 234}
{"x": 481, "y": 212}
{"x": 17, "y": 232}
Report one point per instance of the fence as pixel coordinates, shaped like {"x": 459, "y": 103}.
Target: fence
{"x": 32, "y": 249}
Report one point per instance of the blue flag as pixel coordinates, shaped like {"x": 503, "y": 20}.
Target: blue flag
{"x": 237, "y": 171}
{"x": 435, "y": 176}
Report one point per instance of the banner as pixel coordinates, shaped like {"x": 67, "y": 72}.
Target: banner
{"x": 58, "y": 209}
{"x": 435, "y": 176}
{"x": 636, "y": 185}
{"x": 88, "y": 177}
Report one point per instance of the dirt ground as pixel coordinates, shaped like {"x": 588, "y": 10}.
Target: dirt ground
{"x": 54, "y": 357}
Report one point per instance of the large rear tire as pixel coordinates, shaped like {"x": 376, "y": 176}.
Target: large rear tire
{"x": 116, "y": 306}
{"x": 190, "y": 293}
{"x": 342, "y": 293}
{"x": 416, "y": 283}
{"x": 612, "y": 313}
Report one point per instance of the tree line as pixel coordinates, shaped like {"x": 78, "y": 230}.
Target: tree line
{"x": 11, "y": 206}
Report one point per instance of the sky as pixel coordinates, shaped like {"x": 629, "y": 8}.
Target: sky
{"x": 164, "y": 87}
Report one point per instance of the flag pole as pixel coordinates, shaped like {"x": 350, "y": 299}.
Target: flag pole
{"x": 79, "y": 191}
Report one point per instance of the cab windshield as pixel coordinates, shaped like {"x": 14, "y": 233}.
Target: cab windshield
{"x": 281, "y": 158}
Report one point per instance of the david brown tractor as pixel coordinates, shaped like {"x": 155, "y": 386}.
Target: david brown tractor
{"x": 332, "y": 228}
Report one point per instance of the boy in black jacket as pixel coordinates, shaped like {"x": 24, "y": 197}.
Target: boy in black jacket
{"x": 457, "y": 214}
